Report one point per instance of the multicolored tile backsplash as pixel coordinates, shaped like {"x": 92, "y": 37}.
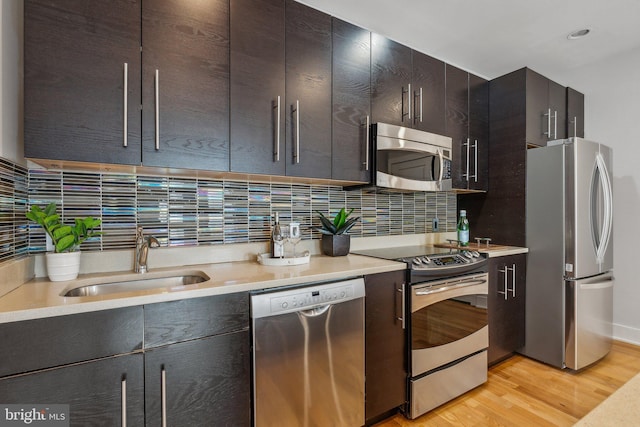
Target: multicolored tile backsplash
{"x": 194, "y": 211}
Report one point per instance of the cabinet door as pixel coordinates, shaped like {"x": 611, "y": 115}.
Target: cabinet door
{"x": 257, "y": 87}
{"x": 478, "y": 133}
{"x": 428, "y": 93}
{"x": 457, "y": 112}
{"x": 558, "y": 105}
{"x": 575, "y": 113}
{"x": 539, "y": 122}
{"x": 385, "y": 344}
{"x": 75, "y": 53}
{"x": 506, "y": 311}
{"x": 308, "y": 91}
{"x": 351, "y": 159}
{"x": 205, "y": 381}
{"x": 185, "y": 81}
{"x": 391, "y": 75}
{"x": 93, "y": 390}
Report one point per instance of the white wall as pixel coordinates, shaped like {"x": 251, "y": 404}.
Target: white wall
{"x": 612, "y": 110}
{"x": 11, "y": 64}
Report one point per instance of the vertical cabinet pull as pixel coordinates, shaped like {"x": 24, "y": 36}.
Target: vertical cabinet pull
{"x": 466, "y": 174}
{"x": 409, "y": 102}
{"x": 555, "y": 124}
{"x": 157, "y": 94}
{"x": 366, "y": 143}
{"x": 125, "y": 99}
{"x": 506, "y": 286}
{"x": 296, "y": 152}
{"x": 420, "y": 105}
{"x": 402, "y": 305}
{"x": 163, "y": 396}
{"x": 123, "y": 401}
{"x": 475, "y": 161}
{"x": 548, "y": 132}
{"x": 276, "y": 153}
{"x": 575, "y": 126}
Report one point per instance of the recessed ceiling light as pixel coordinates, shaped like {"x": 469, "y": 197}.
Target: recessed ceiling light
{"x": 578, "y": 34}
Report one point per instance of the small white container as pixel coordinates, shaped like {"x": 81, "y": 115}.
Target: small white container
{"x": 63, "y": 266}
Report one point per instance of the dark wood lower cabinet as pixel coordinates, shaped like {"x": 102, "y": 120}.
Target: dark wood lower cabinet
{"x": 385, "y": 344}
{"x": 507, "y": 290}
{"x": 93, "y": 390}
{"x": 207, "y": 382}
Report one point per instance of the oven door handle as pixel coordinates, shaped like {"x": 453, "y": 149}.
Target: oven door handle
{"x": 431, "y": 291}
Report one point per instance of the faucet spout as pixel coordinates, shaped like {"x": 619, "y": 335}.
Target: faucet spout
{"x": 143, "y": 243}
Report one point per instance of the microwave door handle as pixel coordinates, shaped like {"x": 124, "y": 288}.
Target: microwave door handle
{"x": 441, "y": 165}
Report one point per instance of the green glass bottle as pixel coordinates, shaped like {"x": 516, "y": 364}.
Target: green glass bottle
{"x": 463, "y": 229}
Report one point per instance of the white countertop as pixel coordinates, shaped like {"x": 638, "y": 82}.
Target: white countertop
{"x": 40, "y": 298}
{"x": 504, "y": 251}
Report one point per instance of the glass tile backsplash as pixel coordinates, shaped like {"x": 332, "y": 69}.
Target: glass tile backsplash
{"x": 195, "y": 211}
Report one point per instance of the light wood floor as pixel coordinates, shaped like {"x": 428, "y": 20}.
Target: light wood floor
{"x": 523, "y": 392}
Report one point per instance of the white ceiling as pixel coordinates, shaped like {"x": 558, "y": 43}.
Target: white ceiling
{"x": 493, "y": 37}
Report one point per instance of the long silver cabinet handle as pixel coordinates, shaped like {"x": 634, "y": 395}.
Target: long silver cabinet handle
{"x": 420, "y": 105}
{"x": 277, "y": 151}
{"x": 409, "y": 101}
{"x": 575, "y": 126}
{"x": 505, "y": 271}
{"x": 163, "y": 396}
{"x": 402, "y": 304}
{"x": 548, "y": 132}
{"x": 157, "y": 92}
{"x": 296, "y": 154}
{"x": 366, "y": 145}
{"x": 125, "y": 99}
{"x": 475, "y": 170}
{"x": 555, "y": 124}
{"x": 513, "y": 278}
{"x": 123, "y": 402}
{"x": 467, "y": 145}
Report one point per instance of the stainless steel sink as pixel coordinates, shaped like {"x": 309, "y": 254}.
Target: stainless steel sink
{"x": 173, "y": 283}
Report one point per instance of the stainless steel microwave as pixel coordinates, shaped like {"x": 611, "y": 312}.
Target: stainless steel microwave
{"x": 407, "y": 159}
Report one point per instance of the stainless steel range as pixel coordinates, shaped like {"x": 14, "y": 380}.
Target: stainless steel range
{"x": 447, "y": 322}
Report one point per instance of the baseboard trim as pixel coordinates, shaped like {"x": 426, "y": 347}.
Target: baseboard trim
{"x": 626, "y": 334}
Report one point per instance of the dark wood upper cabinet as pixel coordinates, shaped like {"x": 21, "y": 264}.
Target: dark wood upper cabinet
{"x": 391, "y": 74}
{"x": 467, "y": 114}
{"x": 457, "y": 112}
{"x": 307, "y": 106}
{"x": 545, "y": 109}
{"x": 258, "y": 87}
{"x": 351, "y": 102}
{"x": 478, "y": 133}
{"x": 75, "y": 53}
{"x": 428, "y": 93}
{"x": 575, "y": 113}
{"x": 185, "y": 81}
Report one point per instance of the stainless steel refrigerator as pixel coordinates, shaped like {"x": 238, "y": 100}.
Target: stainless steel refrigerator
{"x": 569, "y": 217}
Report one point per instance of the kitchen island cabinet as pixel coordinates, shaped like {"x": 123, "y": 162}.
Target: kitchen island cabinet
{"x": 385, "y": 344}
{"x": 506, "y": 306}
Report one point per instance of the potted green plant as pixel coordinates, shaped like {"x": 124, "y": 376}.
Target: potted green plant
{"x": 335, "y": 238}
{"x": 64, "y": 262}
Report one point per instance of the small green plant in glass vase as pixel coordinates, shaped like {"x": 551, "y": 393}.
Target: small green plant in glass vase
{"x": 64, "y": 262}
{"x": 335, "y": 238}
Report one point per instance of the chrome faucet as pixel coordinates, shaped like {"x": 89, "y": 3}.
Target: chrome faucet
{"x": 142, "y": 250}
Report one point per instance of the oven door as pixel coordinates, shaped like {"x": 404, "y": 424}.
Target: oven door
{"x": 448, "y": 321}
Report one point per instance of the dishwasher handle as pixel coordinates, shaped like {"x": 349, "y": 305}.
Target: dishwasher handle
{"x": 315, "y": 311}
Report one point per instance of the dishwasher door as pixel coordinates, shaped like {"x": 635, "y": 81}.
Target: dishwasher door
{"x": 308, "y": 349}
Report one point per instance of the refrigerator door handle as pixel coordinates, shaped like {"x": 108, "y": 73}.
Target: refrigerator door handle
{"x": 601, "y": 237}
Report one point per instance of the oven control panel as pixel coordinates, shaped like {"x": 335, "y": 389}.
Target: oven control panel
{"x": 449, "y": 260}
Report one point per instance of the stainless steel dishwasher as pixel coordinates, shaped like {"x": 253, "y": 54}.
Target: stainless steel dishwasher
{"x": 308, "y": 355}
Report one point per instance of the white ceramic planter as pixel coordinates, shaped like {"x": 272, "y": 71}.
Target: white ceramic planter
{"x": 63, "y": 266}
